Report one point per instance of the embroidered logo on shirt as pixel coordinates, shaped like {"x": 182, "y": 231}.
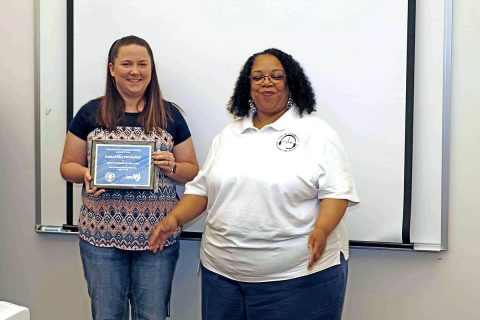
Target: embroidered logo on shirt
{"x": 287, "y": 142}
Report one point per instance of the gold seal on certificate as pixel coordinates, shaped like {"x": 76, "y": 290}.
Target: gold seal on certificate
{"x": 122, "y": 164}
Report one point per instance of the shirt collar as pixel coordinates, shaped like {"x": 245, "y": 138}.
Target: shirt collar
{"x": 279, "y": 125}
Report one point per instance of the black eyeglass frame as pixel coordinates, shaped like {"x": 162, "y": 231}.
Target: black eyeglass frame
{"x": 273, "y": 78}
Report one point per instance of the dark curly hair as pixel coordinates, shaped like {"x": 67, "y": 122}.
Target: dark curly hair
{"x": 297, "y": 82}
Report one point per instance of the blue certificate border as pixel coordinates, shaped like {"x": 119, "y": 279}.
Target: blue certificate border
{"x": 98, "y": 143}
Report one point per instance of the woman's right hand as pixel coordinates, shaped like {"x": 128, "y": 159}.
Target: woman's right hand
{"x": 92, "y": 191}
{"x": 164, "y": 229}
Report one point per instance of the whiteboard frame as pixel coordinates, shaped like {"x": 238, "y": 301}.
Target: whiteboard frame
{"x": 445, "y": 132}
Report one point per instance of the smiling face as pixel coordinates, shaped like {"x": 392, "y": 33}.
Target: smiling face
{"x": 132, "y": 71}
{"x": 268, "y": 88}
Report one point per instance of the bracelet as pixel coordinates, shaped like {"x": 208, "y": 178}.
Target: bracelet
{"x": 174, "y": 168}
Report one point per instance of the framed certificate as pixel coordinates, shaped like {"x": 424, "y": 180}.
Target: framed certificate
{"x": 122, "y": 164}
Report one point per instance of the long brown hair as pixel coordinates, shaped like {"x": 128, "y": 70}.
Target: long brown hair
{"x": 112, "y": 108}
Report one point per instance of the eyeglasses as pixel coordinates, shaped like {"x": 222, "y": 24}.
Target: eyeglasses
{"x": 275, "y": 77}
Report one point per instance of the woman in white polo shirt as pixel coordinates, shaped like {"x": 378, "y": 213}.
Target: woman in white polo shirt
{"x": 275, "y": 185}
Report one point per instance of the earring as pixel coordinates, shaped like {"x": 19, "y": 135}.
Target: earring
{"x": 290, "y": 103}
{"x": 252, "y": 106}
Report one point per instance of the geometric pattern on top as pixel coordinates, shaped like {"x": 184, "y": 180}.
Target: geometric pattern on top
{"x": 125, "y": 219}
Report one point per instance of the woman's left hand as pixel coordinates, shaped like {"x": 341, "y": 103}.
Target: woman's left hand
{"x": 164, "y": 160}
{"x": 317, "y": 240}
{"x": 330, "y": 214}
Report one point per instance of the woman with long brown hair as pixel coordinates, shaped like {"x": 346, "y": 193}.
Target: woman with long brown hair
{"x": 115, "y": 224}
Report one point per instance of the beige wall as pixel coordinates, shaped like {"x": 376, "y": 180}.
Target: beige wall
{"x": 401, "y": 285}
{"x": 43, "y": 272}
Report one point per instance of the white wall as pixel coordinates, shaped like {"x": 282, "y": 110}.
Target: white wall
{"x": 43, "y": 272}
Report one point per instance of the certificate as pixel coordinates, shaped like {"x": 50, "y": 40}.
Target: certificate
{"x": 122, "y": 164}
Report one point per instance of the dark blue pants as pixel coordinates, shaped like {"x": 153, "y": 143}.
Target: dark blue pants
{"x": 316, "y": 296}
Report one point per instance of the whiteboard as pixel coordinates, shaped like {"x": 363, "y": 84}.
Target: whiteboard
{"x": 354, "y": 53}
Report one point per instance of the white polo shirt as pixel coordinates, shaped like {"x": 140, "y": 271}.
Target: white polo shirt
{"x": 263, "y": 188}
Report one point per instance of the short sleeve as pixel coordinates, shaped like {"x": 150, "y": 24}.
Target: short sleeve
{"x": 198, "y": 186}
{"x": 336, "y": 180}
{"x": 84, "y": 121}
{"x": 177, "y": 126}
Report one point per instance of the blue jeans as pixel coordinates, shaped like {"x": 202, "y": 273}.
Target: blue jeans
{"x": 318, "y": 296}
{"x": 118, "y": 278}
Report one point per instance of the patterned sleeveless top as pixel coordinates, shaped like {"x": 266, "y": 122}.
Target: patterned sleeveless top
{"x": 125, "y": 219}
